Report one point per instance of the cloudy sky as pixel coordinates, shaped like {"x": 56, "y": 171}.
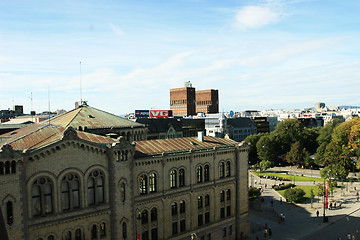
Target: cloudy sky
{"x": 259, "y": 54}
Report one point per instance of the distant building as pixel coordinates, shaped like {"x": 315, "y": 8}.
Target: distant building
{"x": 187, "y": 102}
{"x": 182, "y": 101}
{"x": 207, "y": 101}
{"x": 240, "y": 128}
{"x": 262, "y": 124}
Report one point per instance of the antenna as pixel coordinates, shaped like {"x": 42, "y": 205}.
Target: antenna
{"x": 80, "y": 86}
{"x": 49, "y": 103}
{"x": 31, "y": 109}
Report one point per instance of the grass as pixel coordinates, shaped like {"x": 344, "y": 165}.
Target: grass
{"x": 289, "y": 177}
{"x": 306, "y": 189}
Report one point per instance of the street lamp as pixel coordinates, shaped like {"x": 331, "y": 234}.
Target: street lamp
{"x": 324, "y": 217}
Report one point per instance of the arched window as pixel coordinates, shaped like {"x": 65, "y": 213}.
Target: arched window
{"x": 96, "y": 187}
{"x": 124, "y": 231}
{"x": 13, "y": 167}
{"x": 9, "y": 213}
{"x": 228, "y": 194}
{"x": 67, "y": 235}
{"x": 222, "y": 170}
{"x": 144, "y": 217}
{"x": 7, "y": 167}
{"x": 70, "y": 194}
{"x": 1, "y": 168}
{"x": 173, "y": 178}
{"x": 153, "y": 214}
{"x": 102, "y": 230}
{"x": 207, "y": 200}
{"x": 152, "y": 182}
{"x": 143, "y": 184}
{"x": 41, "y": 197}
{"x": 206, "y": 173}
{"x": 222, "y": 196}
{"x": 182, "y": 207}
{"x": 199, "y": 174}
{"x": 78, "y": 234}
{"x": 228, "y": 168}
{"x": 174, "y": 209}
{"x": 181, "y": 177}
{"x": 200, "y": 201}
{"x": 122, "y": 191}
{"x": 51, "y": 237}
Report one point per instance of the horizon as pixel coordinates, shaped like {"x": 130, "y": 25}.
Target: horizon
{"x": 259, "y": 54}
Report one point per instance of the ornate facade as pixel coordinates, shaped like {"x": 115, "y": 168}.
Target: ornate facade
{"x": 58, "y": 182}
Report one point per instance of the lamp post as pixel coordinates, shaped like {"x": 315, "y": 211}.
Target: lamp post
{"x": 324, "y": 217}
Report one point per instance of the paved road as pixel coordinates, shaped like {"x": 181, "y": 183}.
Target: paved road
{"x": 301, "y": 221}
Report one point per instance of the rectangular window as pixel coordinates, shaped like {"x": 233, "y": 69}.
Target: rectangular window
{"x": 224, "y": 232}
{"x": 182, "y": 225}
{"x": 228, "y": 211}
{"x": 207, "y": 217}
{"x": 200, "y": 219}
{"x": 154, "y": 234}
{"x": 222, "y": 212}
{"x": 174, "y": 228}
{"x": 230, "y": 230}
{"x": 145, "y": 235}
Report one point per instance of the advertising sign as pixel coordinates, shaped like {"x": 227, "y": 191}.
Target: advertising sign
{"x": 141, "y": 113}
{"x": 160, "y": 113}
{"x": 326, "y": 195}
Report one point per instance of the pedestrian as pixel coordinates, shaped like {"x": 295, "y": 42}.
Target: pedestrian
{"x": 357, "y": 198}
{"x": 330, "y": 206}
{"x": 339, "y": 238}
{"x": 335, "y": 205}
{"x": 353, "y": 237}
{"x": 272, "y": 203}
{"x": 317, "y": 213}
{"x": 280, "y": 200}
{"x": 339, "y": 204}
{"x": 349, "y": 236}
{"x": 270, "y": 231}
{"x": 257, "y": 237}
{"x": 265, "y": 185}
{"x": 314, "y": 182}
{"x": 265, "y": 233}
{"x": 255, "y": 181}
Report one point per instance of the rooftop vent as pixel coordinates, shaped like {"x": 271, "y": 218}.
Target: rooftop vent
{"x": 201, "y": 136}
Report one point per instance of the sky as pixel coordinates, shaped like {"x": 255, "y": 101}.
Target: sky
{"x": 259, "y": 54}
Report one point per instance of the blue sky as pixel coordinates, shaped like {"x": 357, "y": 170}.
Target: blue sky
{"x": 259, "y": 54}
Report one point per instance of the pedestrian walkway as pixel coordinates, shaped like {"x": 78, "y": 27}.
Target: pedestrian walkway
{"x": 300, "y": 219}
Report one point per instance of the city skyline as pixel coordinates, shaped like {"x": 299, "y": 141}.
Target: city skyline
{"x": 258, "y": 54}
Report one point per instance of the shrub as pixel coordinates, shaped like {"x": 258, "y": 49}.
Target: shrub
{"x": 254, "y": 193}
{"x": 294, "y": 194}
{"x": 286, "y": 186}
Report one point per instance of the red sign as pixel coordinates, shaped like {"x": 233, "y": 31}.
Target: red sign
{"x": 326, "y": 195}
{"x": 159, "y": 113}
{"x": 137, "y": 236}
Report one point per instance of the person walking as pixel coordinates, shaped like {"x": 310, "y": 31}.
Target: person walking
{"x": 317, "y": 213}
{"x": 270, "y": 231}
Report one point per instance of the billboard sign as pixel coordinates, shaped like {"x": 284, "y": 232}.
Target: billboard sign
{"x": 160, "y": 113}
{"x": 141, "y": 113}
{"x": 153, "y": 113}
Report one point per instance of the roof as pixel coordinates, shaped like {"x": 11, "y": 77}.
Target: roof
{"x": 41, "y": 135}
{"x": 241, "y": 122}
{"x": 173, "y": 145}
{"x": 160, "y": 125}
{"x": 86, "y": 116}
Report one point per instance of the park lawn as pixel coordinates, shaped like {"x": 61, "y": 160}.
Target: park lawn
{"x": 306, "y": 189}
{"x": 289, "y": 177}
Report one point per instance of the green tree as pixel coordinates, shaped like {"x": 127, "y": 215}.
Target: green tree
{"x": 268, "y": 147}
{"x": 289, "y": 131}
{"x": 297, "y": 155}
{"x": 254, "y": 193}
{"x": 252, "y": 141}
{"x": 264, "y": 165}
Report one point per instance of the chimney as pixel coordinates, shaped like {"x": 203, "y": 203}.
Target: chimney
{"x": 201, "y": 136}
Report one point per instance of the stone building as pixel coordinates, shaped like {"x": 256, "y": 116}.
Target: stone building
{"x": 59, "y": 181}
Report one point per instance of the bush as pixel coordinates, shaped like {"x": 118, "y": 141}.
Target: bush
{"x": 294, "y": 194}
{"x": 254, "y": 193}
{"x": 286, "y": 186}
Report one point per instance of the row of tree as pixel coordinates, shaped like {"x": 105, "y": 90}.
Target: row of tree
{"x": 335, "y": 147}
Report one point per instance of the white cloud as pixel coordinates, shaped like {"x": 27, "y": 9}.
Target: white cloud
{"x": 116, "y": 30}
{"x": 257, "y": 16}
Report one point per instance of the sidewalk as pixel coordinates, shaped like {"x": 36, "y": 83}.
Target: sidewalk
{"x": 300, "y": 219}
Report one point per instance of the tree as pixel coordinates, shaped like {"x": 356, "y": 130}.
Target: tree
{"x": 252, "y": 141}
{"x": 254, "y": 193}
{"x": 289, "y": 131}
{"x": 297, "y": 154}
{"x": 268, "y": 147}
{"x": 264, "y": 165}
